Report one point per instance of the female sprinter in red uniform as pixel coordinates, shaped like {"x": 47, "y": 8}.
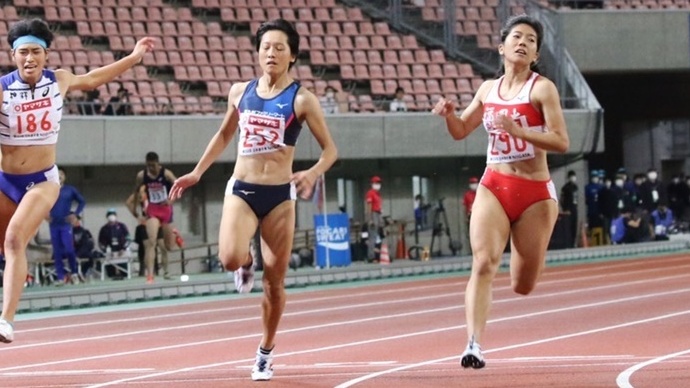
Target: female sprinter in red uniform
{"x": 516, "y": 198}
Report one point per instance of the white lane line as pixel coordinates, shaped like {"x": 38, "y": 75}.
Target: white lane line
{"x": 510, "y": 347}
{"x": 406, "y": 335}
{"x": 623, "y": 379}
{"x": 115, "y": 322}
{"x": 324, "y": 310}
{"x": 196, "y": 313}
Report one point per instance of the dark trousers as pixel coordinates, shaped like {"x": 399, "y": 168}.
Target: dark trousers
{"x": 63, "y": 247}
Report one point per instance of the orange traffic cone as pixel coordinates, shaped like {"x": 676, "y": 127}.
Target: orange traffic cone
{"x": 384, "y": 258}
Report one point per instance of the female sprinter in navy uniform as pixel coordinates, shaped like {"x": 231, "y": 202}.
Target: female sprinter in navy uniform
{"x": 32, "y": 106}
{"x": 269, "y": 112}
{"x": 516, "y": 198}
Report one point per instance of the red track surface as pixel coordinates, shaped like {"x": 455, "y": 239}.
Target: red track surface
{"x": 623, "y": 323}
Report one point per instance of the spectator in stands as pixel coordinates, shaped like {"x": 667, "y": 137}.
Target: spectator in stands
{"x": 373, "y": 207}
{"x": 592, "y": 189}
{"x": 677, "y": 191}
{"x": 263, "y": 188}
{"x": 652, "y": 191}
{"x": 619, "y": 226}
{"x": 119, "y": 104}
{"x": 29, "y": 181}
{"x": 662, "y": 220}
{"x": 569, "y": 199}
{"x": 60, "y": 220}
{"x": 113, "y": 238}
{"x": 516, "y": 200}
{"x": 329, "y": 104}
{"x": 91, "y": 104}
{"x": 607, "y": 206}
{"x": 84, "y": 245}
{"x": 398, "y": 104}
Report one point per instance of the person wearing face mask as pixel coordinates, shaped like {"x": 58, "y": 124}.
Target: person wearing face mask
{"x": 113, "y": 238}
{"x": 620, "y": 194}
{"x": 677, "y": 192}
{"x": 328, "y": 102}
{"x": 652, "y": 191}
{"x": 592, "y": 189}
{"x": 374, "y": 220}
{"x": 608, "y": 206}
{"x": 568, "y": 201}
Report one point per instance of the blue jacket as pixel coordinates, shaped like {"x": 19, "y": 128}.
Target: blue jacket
{"x": 63, "y": 206}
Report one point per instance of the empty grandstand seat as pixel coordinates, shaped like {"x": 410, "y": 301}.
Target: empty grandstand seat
{"x": 410, "y": 42}
{"x": 316, "y": 28}
{"x": 304, "y": 72}
{"x": 317, "y": 58}
{"x": 374, "y": 56}
{"x": 338, "y": 14}
{"x": 403, "y": 71}
{"x": 406, "y": 57}
{"x": 350, "y": 28}
{"x": 377, "y": 87}
{"x": 355, "y": 14}
{"x": 347, "y": 72}
{"x": 389, "y": 85}
{"x": 345, "y": 57}
{"x": 362, "y": 42}
{"x": 366, "y": 28}
{"x": 389, "y": 56}
{"x": 463, "y": 85}
{"x": 322, "y": 14}
{"x": 419, "y": 71}
{"x": 376, "y": 72}
{"x": 361, "y": 72}
{"x": 366, "y": 103}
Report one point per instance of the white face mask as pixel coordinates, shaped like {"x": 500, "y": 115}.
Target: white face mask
{"x": 573, "y": 179}
{"x": 595, "y": 180}
{"x": 376, "y": 186}
{"x": 330, "y": 95}
{"x": 619, "y": 182}
{"x": 652, "y": 176}
{"x": 112, "y": 218}
{"x": 473, "y": 186}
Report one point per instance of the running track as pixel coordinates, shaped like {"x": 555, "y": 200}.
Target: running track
{"x": 609, "y": 324}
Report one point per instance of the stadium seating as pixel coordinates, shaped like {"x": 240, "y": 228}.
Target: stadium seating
{"x": 201, "y": 58}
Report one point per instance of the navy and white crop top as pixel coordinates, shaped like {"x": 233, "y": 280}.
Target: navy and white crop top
{"x": 267, "y": 125}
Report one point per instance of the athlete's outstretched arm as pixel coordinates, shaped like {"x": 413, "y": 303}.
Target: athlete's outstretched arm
{"x": 215, "y": 147}
{"x": 309, "y": 107}
{"x": 104, "y": 74}
{"x": 460, "y": 127}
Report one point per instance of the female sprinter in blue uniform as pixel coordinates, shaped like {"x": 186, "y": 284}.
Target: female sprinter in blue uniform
{"x": 31, "y": 105}
{"x": 269, "y": 112}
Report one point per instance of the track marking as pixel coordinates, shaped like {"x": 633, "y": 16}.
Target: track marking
{"x": 623, "y": 379}
{"x": 400, "y": 336}
{"x": 323, "y": 310}
{"x": 510, "y": 347}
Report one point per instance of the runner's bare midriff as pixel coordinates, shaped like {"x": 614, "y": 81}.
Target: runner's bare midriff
{"x": 27, "y": 159}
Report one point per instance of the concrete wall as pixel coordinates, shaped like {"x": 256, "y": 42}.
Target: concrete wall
{"x": 99, "y": 141}
{"x": 628, "y": 40}
{"x": 102, "y": 156}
